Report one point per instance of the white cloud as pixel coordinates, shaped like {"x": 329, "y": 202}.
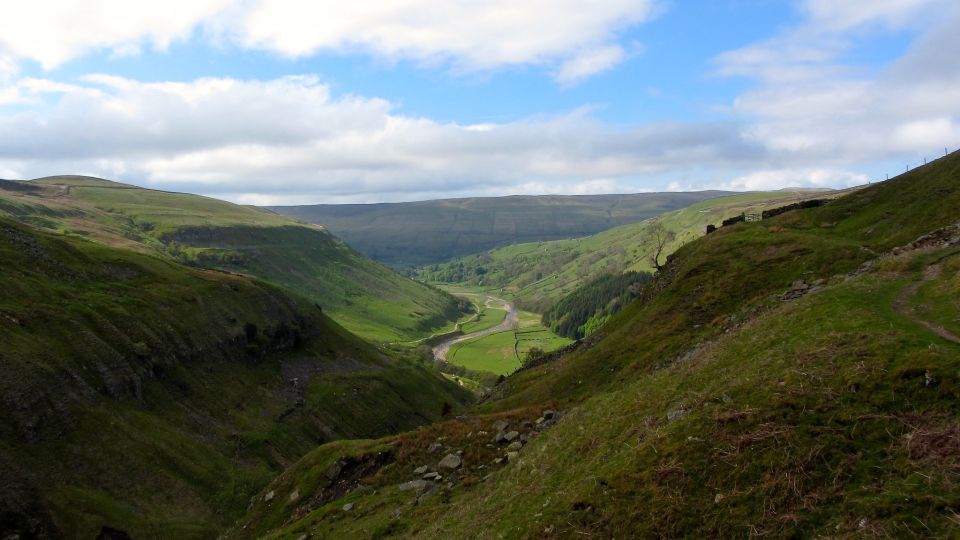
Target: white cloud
{"x": 289, "y": 138}
{"x": 843, "y": 15}
{"x": 54, "y": 31}
{"x": 811, "y": 106}
{"x": 465, "y": 35}
{"x": 781, "y": 178}
{"x": 588, "y": 63}
{"x": 472, "y": 35}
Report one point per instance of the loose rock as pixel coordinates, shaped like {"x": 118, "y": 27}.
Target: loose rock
{"x": 512, "y": 436}
{"x": 420, "y": 470}
{"x": 417, "y": 485}
{"x": 501, "y": 425}
{"x": 434, "y": 447}
{"x": 450, "y": 461}
{"x": 268, "y": 497}
{"x": 348, "y": 507}
{"x": 334, "y": 471}
{"x": 515, "y": 446}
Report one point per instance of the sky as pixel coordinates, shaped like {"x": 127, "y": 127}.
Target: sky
{"x": 317, "y": 101}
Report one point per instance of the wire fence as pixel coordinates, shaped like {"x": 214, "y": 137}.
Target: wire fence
{"x": 923, "y": 160}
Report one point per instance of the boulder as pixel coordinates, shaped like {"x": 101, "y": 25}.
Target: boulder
{"x": 334, "y": 471}
{"x": 501, "y": 425}
{"x": 432, "y": 476}
{"x": 515, "y": 446}
{"x": 416, "y": 485}
{"x": 548, "y": 414}
{"x": 450, "y": 461}
{"x": 512, "y": 436}
{"x": 420, "y": 470}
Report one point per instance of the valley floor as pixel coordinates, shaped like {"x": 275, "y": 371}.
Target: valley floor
{"x": 491, "y": 346}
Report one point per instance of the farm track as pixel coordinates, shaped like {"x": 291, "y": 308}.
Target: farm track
{"x": 509, "y": 323}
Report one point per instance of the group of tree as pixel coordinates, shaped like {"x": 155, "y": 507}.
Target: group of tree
{"x": 578, "y": 314}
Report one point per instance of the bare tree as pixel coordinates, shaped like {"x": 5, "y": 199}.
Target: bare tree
{"x": 661, "y": 237}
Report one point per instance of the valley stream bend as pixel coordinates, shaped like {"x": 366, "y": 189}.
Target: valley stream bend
{"x": 509, "y": 323}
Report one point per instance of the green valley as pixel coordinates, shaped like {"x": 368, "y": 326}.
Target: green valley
{"x": 794, "y": 377}
{"x": 367, "y": 298}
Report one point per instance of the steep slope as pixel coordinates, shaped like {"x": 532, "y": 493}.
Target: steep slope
{"x": 364, "y": 296}
{"x": 428, "y": 232}
{"x": 796, "y": 377}
{"x": 538, "y": 275}
{"x": 149, "y": 397}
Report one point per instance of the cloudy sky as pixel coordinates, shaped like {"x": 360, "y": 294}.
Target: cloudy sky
{"x": 304, "y": 101}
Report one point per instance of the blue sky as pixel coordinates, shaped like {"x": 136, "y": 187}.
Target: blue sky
{"x": 290, "y": 101}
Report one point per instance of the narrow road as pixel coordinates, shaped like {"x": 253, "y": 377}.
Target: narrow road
{"x": 509, "y": 323}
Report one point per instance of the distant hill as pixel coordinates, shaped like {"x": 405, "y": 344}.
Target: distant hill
{"x": 146, "y": 396}
{"x": 366, "y": 297}
{"x": 539, "y": 274}
{"x": 428, "y": 232}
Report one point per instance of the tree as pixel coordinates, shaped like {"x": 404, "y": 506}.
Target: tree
{"x": 661, "y": 237}
{"x": 535, "y": 353}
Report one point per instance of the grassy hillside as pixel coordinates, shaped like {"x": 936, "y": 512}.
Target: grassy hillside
{"x": 153, "y": 398}
{"x": 796, "y": 377}
{"x": 539, "y": 274}
{"x": 364, "y": 296}
{"x": 428, "y": 232}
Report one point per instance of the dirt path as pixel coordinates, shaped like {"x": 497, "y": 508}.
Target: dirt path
{"x": 509, "y": 323}
{"x": 902, "y": 304}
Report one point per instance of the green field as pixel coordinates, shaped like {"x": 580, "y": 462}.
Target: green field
{"x": 428, "y": 232}
{"x": 501, "y": 353}
{"x": 366, "y": 297}
{"x": 487, "y": 318}
{"x": 538, "y": 274}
